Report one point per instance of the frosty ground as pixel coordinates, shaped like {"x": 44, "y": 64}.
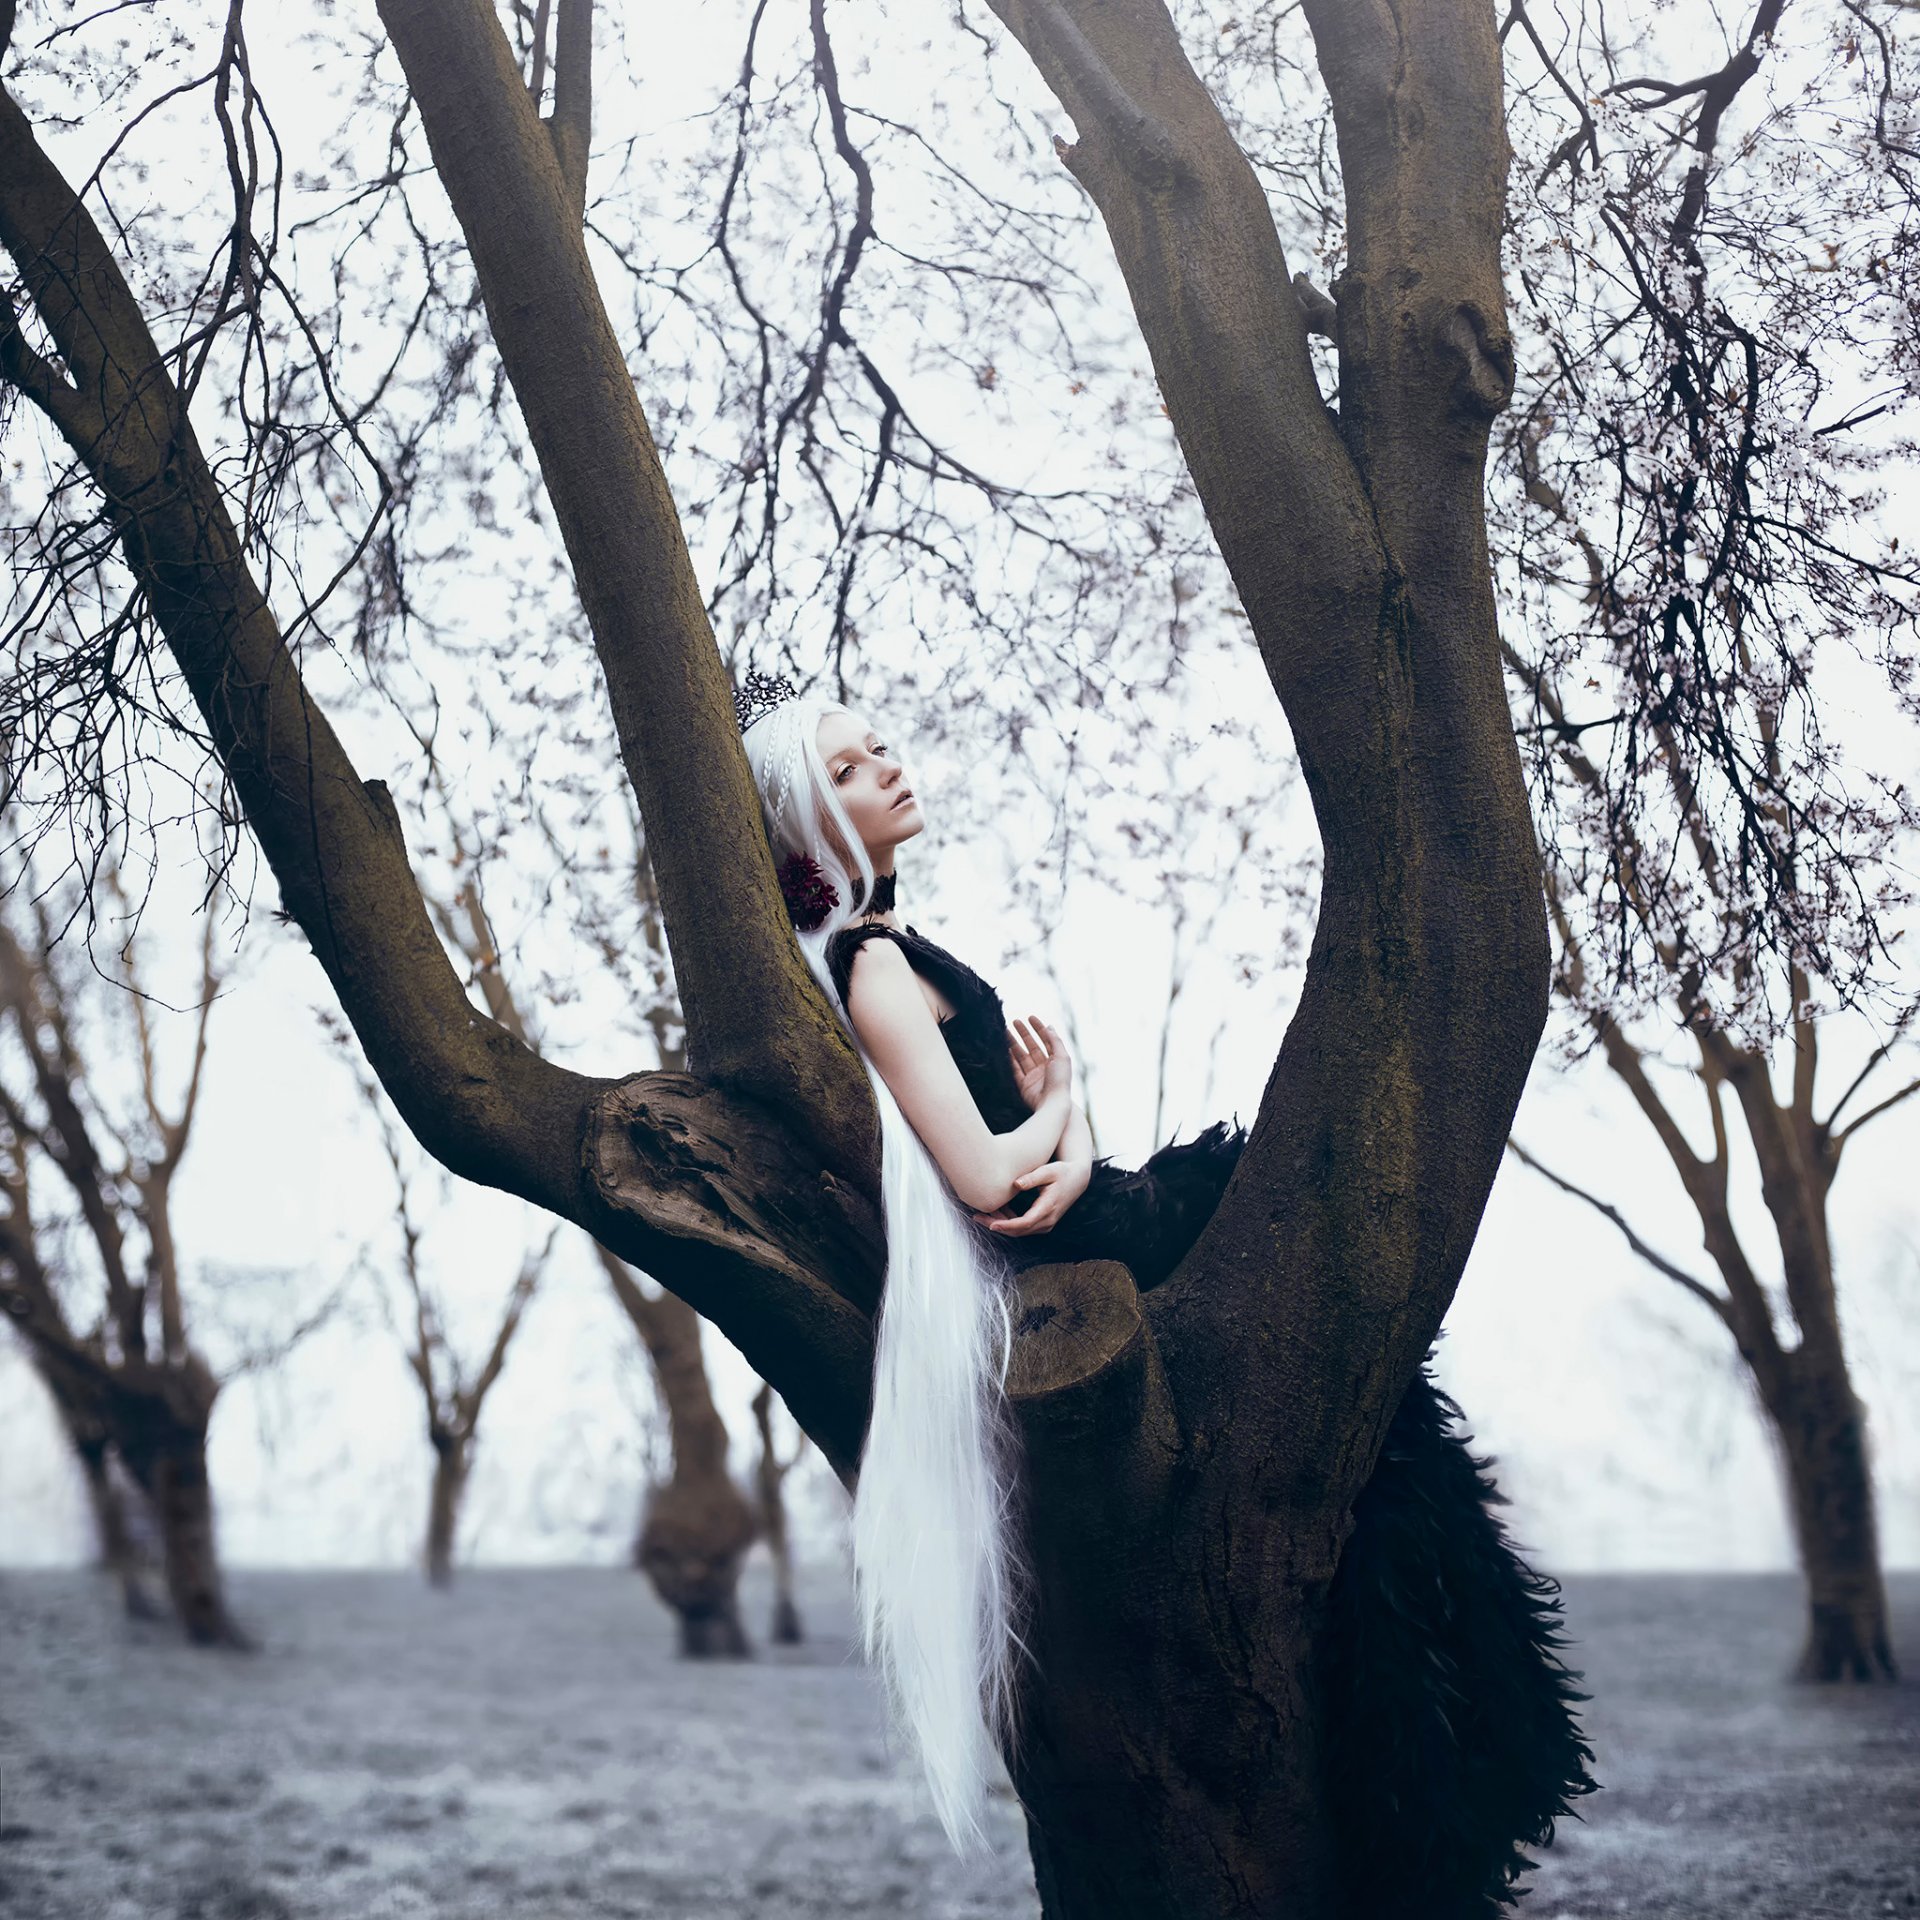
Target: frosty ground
{"x": 529, "y": 1746}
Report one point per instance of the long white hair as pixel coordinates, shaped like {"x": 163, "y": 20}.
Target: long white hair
{"x": 940, "y": 1571}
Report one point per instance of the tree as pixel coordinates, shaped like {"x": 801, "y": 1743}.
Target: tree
{"x": 454, "y": 1397}
{"x": 130, "y": 1386}
{"x": 1691, "y": 526}
{"x": 1212, "y": 1434}
{"x": 1804, "y": 1388}
{"x": 696, "y": 1525}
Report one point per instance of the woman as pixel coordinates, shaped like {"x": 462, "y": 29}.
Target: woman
{"x": 1450, "y": 1731}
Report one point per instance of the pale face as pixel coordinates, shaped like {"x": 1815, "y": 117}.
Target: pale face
{"x": 872, "y": 785}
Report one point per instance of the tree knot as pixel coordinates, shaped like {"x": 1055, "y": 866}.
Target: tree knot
{"x": 1485, "y": 355}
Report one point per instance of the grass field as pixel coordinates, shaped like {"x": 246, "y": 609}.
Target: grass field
{"x": 530, "y": 1746}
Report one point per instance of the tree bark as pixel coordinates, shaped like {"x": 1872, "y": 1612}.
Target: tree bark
{"x": 1170, "y": 1761}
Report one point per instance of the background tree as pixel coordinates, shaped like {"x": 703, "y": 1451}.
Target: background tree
{"x": 1802, "y": 1384}
{"x": 454, "y": 1396}
{"x": 1724, "y": 262}
{"x": 127, "y": 1378}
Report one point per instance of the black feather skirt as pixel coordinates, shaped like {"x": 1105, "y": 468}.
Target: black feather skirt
{"x": 1452, "y": 1740}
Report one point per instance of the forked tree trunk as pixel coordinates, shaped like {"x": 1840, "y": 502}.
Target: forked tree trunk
{"x": 451, "y": 1464}
{"x": 1821, "y": 1430}
{"x": 1797, "y": 1361}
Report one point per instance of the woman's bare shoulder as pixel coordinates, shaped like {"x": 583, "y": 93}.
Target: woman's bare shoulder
{"x": 888, "y": 978}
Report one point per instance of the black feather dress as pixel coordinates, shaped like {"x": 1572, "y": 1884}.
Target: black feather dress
{"x": 1452, "y": 1739}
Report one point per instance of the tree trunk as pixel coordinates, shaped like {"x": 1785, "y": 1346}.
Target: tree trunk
{"x": 694, "y": 1535}
{"x": 1822, "y": 1432}
{"x": 770, "y": 1485}
{"x": 1169, "y": 1756}
{"x": 787, "y": 1629}
{"x": 161, "y": 1413}
{"x": 451, "y": 1462}
{"x": 183, "y": 1502}
{"x": 119, "y": 1553}
{"x": 696, "y": 1529}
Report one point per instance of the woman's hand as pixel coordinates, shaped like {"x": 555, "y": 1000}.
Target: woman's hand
{"x": 1059, "y": 1183}
{"x": 1040, "y": 1060}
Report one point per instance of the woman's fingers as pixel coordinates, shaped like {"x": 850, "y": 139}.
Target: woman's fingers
{"x": 1038, "y": 1218}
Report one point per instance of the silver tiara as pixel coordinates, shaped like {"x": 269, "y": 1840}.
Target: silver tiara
{"x": 758, "y": 698}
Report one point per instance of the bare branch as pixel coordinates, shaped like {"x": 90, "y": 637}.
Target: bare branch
{"x": 525, "y": 1283}
{"x": 1874, "y": 1060}
{"x": 1721, "y": 1305}
{"x": 1873, "y": 1113}
{"x": 334, "y": 841}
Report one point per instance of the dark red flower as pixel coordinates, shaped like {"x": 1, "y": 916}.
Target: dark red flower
{"x": 810, "y": 895}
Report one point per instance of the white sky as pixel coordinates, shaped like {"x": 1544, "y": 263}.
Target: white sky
{"x": 1626, "y": 1434}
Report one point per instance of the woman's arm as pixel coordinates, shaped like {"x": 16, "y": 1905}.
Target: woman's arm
{"x": 1057, "y": 1185}
{"x": 899, "y": 1031}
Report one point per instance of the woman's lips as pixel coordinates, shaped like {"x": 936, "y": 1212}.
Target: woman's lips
{"x": 901, "y": 802}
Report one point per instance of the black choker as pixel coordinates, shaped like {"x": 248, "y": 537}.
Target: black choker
{"x": 882, "y": 901}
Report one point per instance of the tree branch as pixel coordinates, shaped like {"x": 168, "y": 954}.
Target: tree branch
{"x": 524, "y": 1285}
{"x": 479, "y": 1100}
{"x": 485, "y": 1105}
{"x": 740, "y": 972}
{"x": 1874, "y": 1112}
{"x": 1359, "y": 552}
{"x": 1142, "y": 143}
{"x": 27, "y": 989}
{"x": 1874, "y": 1060}
{"x": 1722, "y": 1307}
{"x": 1426, "y": 361}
